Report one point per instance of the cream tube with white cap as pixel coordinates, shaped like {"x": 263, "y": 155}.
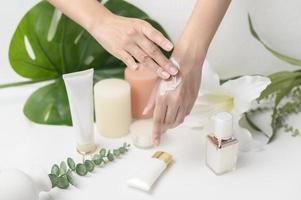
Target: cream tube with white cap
{"x": 79, "y": 87}
{"x": 147, "y": 176}
{"x": 221, "y": 145}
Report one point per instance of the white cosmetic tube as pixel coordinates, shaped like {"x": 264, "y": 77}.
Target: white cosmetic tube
{"x": 79, "y": 87}
{"x": 147, "y": 176}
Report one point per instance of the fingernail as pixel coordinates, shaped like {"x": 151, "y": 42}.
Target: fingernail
{"x": 169, "y": 45}
{"x": 145, "y": 111}
{"x": 156, "y": 142}
{"x": 165, "y": 74}
{"x": 173, "y": 70}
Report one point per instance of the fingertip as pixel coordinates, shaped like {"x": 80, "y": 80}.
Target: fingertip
{"x": 173, "y": 70}
{"x": 168, "y": 46}
{"x": 165, "y": 75}
{"x": 156, "y": 142}
{"x": 145, "y": 110}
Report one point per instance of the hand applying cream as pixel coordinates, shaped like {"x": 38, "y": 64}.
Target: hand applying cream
{"x": 176, "y": 102}
{"x": 190, "y": 50}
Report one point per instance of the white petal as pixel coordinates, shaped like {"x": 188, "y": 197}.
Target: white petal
{"x": 245, "y": 139}
{"x": 244, "y": 90}
{"x": 212, "y": 103}
{"x": 210, "y": 79}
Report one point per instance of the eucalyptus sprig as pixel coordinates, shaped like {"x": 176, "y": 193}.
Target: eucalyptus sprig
{"x": 61, "y": 175}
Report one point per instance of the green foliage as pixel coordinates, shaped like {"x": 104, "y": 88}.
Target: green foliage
{"x": 64, "y": 50}
{"x": 61, "y": 176}
{"x": 281, "y": 56}
{"x": 284, "y": 85}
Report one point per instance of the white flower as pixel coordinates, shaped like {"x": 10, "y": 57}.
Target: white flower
{"x": 234, "y": 96}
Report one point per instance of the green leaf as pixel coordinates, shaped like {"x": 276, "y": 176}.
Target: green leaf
{"x": 116, "y": 152}
{"x": 122, "y": 150}
{"x": 49, "y": 105}
{"x": 55, "y": 170}
{"x": 279, "y": 96}
{"x": 97, "y": 159}
{"x": 71, "y": 163}
{"x": 62, "y": 182}
{"x": 282, "y": 57}
{"x": 89, "y": 165}
{"x": 251, "y": 123}
{"x": 123, "y": 8}
{"x": 69, "y": 177}
{"x": 81, "y": 169}
{"x": 53, "y": 179}
{"x": 110, "y": 157}
{"x": 279, "y": 81}
{"x": 102, "y": 152}
{"x": 282, "y": 83}
{"x": 65, "y": 49}
{"x": 63, "y": 168}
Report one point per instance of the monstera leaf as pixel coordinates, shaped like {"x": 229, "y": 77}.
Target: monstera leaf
{"x": 47, "y": 44}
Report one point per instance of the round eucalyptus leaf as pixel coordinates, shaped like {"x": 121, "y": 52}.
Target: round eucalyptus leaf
{"x": 63, "y": 168}
{"x": 110, "y": 157}
{"x": 62, "y": 182}
{"x": 89, "y": 165}
{"x": 81, "y": 169}
{"x": 122, "y": 150}
{"x": 102, "y": 152}
{"x": 97, "y": 159}
{"x": 70, "y": 177}
{"x": 71, "y": 163}
{"x": 53, "y": 179}
{"x": 116, "y": 152}
{"x": 55, "y": 170}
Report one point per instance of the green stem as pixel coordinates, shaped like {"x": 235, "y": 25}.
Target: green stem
{"x": 254, "y": 126}
{"x": 7, "y": 85}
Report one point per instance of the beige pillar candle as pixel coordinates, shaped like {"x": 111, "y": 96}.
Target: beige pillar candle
{"x": 142, "y": 82}
{"x": 113, "y": 107}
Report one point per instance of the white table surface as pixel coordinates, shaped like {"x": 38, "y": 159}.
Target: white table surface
{"x": 274, "y": 173}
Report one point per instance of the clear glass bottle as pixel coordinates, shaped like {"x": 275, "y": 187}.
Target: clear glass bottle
{"x": 221, "y": 145}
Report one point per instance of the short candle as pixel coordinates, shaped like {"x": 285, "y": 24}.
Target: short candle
{"x": 113, "y": 107}
{"x": 141, "y": 131}
{"x": 142, "y": 82}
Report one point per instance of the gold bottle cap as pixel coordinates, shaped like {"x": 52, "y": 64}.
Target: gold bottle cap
{"x": 161, "y": 155}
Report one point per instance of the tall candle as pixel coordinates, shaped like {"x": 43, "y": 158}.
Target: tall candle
{"x": 113, "y": 107}
{"x": 142, "y": 82}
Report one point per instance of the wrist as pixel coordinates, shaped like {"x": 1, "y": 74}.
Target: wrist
{"x": 97, "y": 18}
{"x": 189, "y": 54}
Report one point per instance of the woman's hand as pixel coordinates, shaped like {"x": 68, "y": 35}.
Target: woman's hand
{"x": 129, "y": 39}
{"x": 172, "y": 107}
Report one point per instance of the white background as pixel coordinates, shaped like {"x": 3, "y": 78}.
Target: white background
{"x": 271, "y": 174}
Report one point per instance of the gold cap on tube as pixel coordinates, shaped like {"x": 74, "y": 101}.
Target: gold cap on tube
{"x": 161, "y": 155}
